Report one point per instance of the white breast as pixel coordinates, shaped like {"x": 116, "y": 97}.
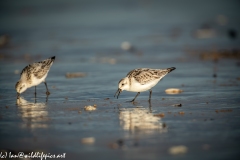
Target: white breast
{"x": 137, "y": 87}
{"x": 36, "y": 81}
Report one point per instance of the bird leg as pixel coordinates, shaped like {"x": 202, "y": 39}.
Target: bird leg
{"x": 47, "y": 93}
{"x": 135, "y": 97}
{"x": 150, "y": 95}
{"x": 35, "y": 93}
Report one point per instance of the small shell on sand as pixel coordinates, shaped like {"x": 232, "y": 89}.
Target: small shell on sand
{"x": 159, "y": 115}
{"x": 75, "y": 75}
{"x": 175, "y": 150}
{"x": 173, "y": 91}
{"x": 90, "y": 108}
{"x": 88, "y": 140}
{"x": 126, "y": 46}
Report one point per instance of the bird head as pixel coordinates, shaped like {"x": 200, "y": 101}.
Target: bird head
{"x": 20, "y": 87}
{"x": 123, "y": 84}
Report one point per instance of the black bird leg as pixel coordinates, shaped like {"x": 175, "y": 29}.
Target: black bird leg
{"x": 135, "y": 97}
{"x": 35, "y": 91}
{"x": 150, "y": 95}
{"x": 47, "y": 93}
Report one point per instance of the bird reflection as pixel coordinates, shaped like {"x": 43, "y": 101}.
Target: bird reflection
{"x": 34, "y": 115}
{"x": 141, "y": 120}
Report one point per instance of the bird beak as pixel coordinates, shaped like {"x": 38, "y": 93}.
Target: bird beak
{"x": 118, "y": 91}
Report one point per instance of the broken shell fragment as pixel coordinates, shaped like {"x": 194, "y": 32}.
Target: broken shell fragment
{"x": 75, "y": 75}
{"x": 175, "y": 150}
{"x": 88, "y": 140}
{"x": 173, "y": 91}
{"x": 90, "y": 108}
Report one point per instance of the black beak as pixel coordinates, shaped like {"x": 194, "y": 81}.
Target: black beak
{"x": 118, "y": 91}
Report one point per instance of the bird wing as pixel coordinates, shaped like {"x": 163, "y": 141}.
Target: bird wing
{"x": 38, "y": 69}
{"x": 146, "y": 75}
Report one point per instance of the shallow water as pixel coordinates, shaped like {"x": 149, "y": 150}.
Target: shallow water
{"x": 86, "y": 37}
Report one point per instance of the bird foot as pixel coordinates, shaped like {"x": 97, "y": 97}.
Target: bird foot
{"x": 133, "y": 102}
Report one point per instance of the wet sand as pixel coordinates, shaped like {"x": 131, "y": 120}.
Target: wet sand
{"x": 201, "y": 122}
{"x": 204, "y": 118}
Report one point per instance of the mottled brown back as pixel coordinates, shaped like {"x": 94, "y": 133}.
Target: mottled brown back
{"x": 146, "y": 75}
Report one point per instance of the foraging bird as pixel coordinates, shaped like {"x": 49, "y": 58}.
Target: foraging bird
{"x": 142, "y": 79}
{"x": 33, "y": 75}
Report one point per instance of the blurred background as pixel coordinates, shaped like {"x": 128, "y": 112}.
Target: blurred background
{"x": 114, "y": 37}
{"x": 88, "y": 35}
{"x": 99, "y": 42}
{"x": 76, "y": 28}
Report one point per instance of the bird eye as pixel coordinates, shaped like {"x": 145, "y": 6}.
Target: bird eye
{"x": 122, "y": 84}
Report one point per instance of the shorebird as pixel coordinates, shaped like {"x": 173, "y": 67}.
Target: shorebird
{"x": 33, "y": 75}
{"x": 141, "y": 79}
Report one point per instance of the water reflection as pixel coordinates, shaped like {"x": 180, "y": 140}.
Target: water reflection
{"x": 140, "y": 120}
{"x": 34, "y": 115}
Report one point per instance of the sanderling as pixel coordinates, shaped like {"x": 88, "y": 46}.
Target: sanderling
{"x": 142, "y": 79}
{"x": 33, "y": 75}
